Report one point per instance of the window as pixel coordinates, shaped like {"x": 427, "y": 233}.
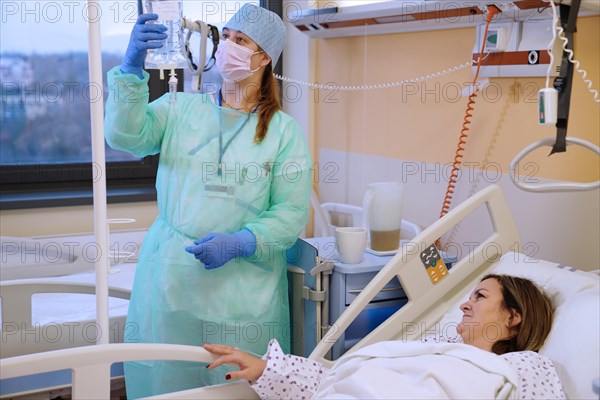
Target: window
{"x": 45, "y": 139}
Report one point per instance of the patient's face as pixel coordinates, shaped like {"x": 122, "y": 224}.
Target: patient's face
{"x": 485, "y": 319}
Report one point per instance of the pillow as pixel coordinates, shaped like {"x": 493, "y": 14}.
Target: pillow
{"x": 574, "y": 341}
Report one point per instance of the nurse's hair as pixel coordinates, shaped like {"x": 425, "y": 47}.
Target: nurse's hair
{"x": 269, "y": 102}
{"x": 524, "y": 297}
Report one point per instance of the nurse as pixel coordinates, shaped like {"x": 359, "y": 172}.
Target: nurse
{"x": 233, "y": 187}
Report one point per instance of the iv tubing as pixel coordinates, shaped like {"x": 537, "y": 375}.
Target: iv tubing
{"x": 99, "y": 165}
{"x": 551, "y": 44}
{"x": 173, "y": 87}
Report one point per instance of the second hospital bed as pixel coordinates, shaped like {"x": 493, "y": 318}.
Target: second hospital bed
{"x": 573, "y": 344}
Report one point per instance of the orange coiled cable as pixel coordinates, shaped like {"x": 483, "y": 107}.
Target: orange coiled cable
{"x": 462, "y": 141}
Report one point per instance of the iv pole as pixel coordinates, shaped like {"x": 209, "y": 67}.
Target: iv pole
{"x": 98, "y": 170}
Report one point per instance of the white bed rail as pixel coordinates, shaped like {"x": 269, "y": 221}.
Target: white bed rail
{"x": 428, "y": 302}
{"x": 91, "y": 368}
{"x": 20, "y": 336}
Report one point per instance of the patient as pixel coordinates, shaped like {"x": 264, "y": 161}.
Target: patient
{"x": 505, "y": 315}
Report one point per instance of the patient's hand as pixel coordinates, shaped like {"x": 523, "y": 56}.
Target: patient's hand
{"x": 251, "y": 368}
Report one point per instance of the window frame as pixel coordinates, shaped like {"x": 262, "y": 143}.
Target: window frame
{"x": 59, "y": 185}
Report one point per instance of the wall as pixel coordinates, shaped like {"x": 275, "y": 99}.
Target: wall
{"x": 423, "y": 121}
{"x": 72, "y": 220}
{"x": 411, "y": 133}
{"x": 298, "y": 63}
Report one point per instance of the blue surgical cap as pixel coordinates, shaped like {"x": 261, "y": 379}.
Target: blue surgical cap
{"x": 261, "y": 25}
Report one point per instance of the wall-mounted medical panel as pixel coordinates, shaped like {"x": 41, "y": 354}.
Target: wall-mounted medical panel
{"x": 517, "y": 49}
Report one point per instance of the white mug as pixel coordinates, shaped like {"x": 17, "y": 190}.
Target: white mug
{"x": 351, "y": 244}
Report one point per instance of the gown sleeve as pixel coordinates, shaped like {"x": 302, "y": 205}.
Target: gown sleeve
{"x": 291, "y": 179}
{"x": 288, "y": 376}
{"x": 130, "y": 123}
{"x": 537, "y": 376}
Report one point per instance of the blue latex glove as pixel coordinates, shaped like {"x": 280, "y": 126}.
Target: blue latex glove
{"x": 143, "y": 37}
{"x": 215, "y": 249}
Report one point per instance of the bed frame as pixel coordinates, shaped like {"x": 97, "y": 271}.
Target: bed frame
{"x": 16, "y": 309}
{"x": 21, "y": 337}
{"x": 427, "y": 304}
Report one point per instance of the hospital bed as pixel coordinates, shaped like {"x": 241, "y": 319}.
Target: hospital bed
{"x": 573, "y": 344}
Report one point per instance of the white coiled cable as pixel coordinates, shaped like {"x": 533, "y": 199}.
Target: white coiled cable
{"x": 386, "y": 85}
{"x": 570, "y": 56}
{"x": 551, "y": 44}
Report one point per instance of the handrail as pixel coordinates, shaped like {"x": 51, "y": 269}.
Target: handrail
{"x": 555, "y": 186}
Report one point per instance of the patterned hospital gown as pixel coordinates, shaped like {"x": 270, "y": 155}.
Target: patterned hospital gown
{"x": 293, "y": 377}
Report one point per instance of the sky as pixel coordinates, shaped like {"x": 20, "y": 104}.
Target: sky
{"x": 47, "y": 26}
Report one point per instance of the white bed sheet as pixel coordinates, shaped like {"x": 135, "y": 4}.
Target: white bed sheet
{"x": 416, "y": 370}
{"x": 49, "y": 308}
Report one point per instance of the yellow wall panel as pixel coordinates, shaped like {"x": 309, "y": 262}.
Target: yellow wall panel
{"x": 422, "y": 121}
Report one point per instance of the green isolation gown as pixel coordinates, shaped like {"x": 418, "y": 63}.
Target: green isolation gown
{"x": 212, "y": 177}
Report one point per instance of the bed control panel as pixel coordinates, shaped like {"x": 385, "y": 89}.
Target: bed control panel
{"x": 434, "y": 264}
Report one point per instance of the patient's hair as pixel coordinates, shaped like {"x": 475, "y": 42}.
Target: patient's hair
{"x": 535, "y": 307}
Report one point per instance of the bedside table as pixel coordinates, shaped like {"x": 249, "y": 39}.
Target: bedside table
{"x": 346, "y": 283}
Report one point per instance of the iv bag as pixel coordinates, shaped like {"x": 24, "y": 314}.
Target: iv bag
{"x": 170, "y": 55}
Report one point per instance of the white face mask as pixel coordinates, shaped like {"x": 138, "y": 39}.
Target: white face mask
{"x": 233, "y": 61}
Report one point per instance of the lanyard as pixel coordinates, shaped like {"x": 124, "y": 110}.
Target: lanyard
{"x": 222, "y": 149}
